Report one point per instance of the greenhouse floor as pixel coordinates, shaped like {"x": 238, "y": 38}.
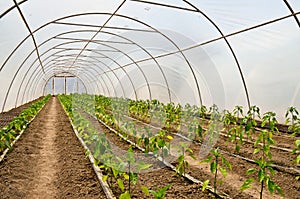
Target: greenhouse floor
{"x": 6, "y": 117}
{"x": 48, "y": 161}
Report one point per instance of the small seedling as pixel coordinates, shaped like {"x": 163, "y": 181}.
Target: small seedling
{"x": 217, "y": 162}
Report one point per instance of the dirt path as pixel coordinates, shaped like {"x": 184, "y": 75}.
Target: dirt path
{"x": 48, "y": 161}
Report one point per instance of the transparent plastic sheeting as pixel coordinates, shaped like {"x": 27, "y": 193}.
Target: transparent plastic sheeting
{"x": 199, "y": 52}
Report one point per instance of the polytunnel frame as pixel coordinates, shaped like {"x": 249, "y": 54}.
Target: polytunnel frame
{"x": 95, "y": 51}
{"x": 34, "y": 62}
{"x": 53, "y": 76}
{"x": 90, "y": 57}
{"x": 25, "y": 74}
{"x": 90, "y": 63}
{"x": 144, "y": 49}
{"x": 86, "y": 72}
{"x": 145, "y": 24}
{"x": 32, "y": 93}
{"x": 22, "y": 79}
{"x": 81, "y": 60}
{"x": 57, "y": 53}
{"x": 170, "y": 6}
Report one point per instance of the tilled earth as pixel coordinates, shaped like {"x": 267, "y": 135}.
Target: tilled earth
{"x": 48, "y": 161}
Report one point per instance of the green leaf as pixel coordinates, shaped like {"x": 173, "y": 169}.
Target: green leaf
{"x": 298, "y": 159}
{"x": 226, "y": 163}
{"x": 205, "y": 184}
{"x": 180, "y": 158}
{"x": 223, "y": 171}
{"x": 213, "y": 167}
{"x": 297, "y": 143}
{"x": 256, "y": 150}
{"x": 104, "y": 177}
{"x": 271, "y": 186}
{"x": 261, "y": 175}
{"x": 126, "y": 176}
{"x": 125, "y": 195}
{"x": 145, "y": 190}
{"x": 246, "y": 184}
{"x": 208, "y": 159}
{"x": 169, "y": 137}
{"x": 121, "y": 184}
{"x": 250, "y": 171}
{"x": 279, "y": 190}
{"x": 133, "y": 177}
{"x": 248, "y": 126}
{"x": 143, "y": 166}
{"x": 199, "y": 131}
{"x": 271, "y": 171}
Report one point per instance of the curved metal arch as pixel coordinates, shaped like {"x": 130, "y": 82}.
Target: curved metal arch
{"x": 35, "y": 76}
{"x": 176, "y": 46}
{"x": 103, "y": 13}
{"x": 25, "y": 75}
{"x": 160, "y": 68}
{"x": 132, "y": 60}
{"x": 99, "y": 61}
{"x": 49, "y": 67}
{"x": 292, "y": 12}
{"x": 11, "y": 8}
{"x": 52, "y": 76}
{"x": 105, "y": 56}
{"x": 147, "y": 52}
{"x": 84, "y": 73}
{"x": 34, "y": 88}
{"x": 47, "y": 80}
{"x": 22, "y": 79}
{"x": 32, "y": 65}
{"x": 89, "y": 62}
{"x": 229, "y": 46}
{"x": 60, "y": 51}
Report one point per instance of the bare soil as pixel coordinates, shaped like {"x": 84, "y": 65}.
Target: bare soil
{"x": 48, "y": 161}
{"x": 156, "y": 177}
{"x": 235, "y": 178}
{"x": 7, "y": 116}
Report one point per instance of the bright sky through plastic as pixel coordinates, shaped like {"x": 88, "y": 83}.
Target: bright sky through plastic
{"x": 268, "y": 56}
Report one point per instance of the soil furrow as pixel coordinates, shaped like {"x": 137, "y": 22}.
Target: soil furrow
{"x": 48, "y": 161}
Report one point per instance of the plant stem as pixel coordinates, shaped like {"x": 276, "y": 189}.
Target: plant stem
{"x": 183, "y": 161}
{"x": 261, "y": 190}
{"x": 216, "y": 173}
{"x": 263, "y": 159}
{"x": 129, "y": 176}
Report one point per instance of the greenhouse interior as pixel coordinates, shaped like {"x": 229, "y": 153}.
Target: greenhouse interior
{"x": 153, "y": 99}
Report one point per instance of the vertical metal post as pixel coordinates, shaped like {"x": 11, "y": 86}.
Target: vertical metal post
{"x": 65, "y": 85}
{"x": 53, "y": 86}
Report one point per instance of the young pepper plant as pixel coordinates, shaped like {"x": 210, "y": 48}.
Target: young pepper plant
{"x": 264, "y": 170}
{"x": 250, "y": 121}
{"x": 133, "y": 168}
{"x": 269, "y": 118}
{"x": 217, "y": 162}
{"x": 296, "y": 150}
{"x": 159, "y": 194}
{"x": 291, "y": 115}
{"x": 183, "y": 164}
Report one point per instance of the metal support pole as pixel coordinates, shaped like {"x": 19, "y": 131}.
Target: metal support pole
{"x": 53, "y": 86}
{"x": 65, "y": 85}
